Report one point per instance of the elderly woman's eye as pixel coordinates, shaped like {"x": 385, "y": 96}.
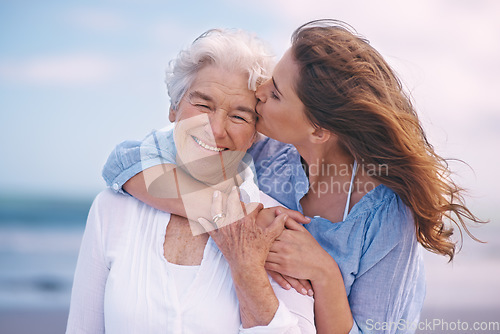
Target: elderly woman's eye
{"x": 203, "y": 106}
{"x": 274, "y": 96}
{"x": 240, "y": 118}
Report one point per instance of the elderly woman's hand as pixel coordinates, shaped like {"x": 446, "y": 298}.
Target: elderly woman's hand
{"x": 244, "y": 243}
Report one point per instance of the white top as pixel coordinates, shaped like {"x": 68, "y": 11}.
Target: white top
{"x": 183, "y": 276}
{"x": 123, "y": 283}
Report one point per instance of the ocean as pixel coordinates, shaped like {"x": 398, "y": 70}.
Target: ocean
{"x": 39, "y": 244}
{"x": 40, "y": 240}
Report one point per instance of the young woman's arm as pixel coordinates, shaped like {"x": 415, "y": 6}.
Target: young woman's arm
{"x": 174, "y": 191}
{"x": 388, "y": 280}
{"x": 296, "y": 253}
{"x": 147, "y": 171}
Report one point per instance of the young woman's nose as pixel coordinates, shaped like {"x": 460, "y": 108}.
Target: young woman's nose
{"x": 260, "y": 93}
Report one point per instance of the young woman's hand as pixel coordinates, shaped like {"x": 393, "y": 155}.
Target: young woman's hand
{"x": 302, "y": 286}
{"x": 265, "y": 217}
{"x": 295, "y": 253}
{"x": 292, "y": 214}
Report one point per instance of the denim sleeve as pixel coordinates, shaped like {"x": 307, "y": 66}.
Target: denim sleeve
{"x": 388, "y": 292}
{"x": 131, "y": 157}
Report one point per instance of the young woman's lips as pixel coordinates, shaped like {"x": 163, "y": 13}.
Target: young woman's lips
{"x": 257, "y": 109}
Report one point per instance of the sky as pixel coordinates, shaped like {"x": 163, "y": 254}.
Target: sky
{"x": 77, "y": 78}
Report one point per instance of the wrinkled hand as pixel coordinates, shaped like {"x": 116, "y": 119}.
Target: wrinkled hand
{"x": 243, "y": 243}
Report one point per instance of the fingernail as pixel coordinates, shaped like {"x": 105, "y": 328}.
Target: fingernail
{"x": 304, "y": 291}
{"x": 308, "y": 219}
{"x": 216, "y": 193}
{"x": 278, "y": 211}
{"x": 310, "y": 292}
{"x": 288, "y": 286}
{"x": 285, "y": 217}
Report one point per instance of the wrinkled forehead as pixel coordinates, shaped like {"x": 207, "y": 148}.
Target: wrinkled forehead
{"x": 222, "y": 86}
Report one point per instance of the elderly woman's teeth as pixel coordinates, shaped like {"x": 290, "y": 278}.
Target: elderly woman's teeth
{"x": 206, "y": 146}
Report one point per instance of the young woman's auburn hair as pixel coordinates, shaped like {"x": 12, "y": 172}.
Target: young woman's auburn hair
{"x": 348, "y": 88}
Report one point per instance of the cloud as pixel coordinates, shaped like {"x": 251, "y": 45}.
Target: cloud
{"x": 75, "y": 69}
{"x": 443, "y": 49}
{"x": 97, "y": 20}
{"x": 172, "y": 32}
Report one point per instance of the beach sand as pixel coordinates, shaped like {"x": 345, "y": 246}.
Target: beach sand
{"x": 54, "y": 321}
{"x": 460, "y": 321}
{"x": 33, "y": 321}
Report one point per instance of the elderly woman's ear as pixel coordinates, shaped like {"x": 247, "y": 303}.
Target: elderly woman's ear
{"x": 172, "y": 114}
{"x": 258, "y": 136}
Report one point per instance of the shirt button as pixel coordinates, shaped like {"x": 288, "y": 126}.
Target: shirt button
{"x": 116, "y": 187}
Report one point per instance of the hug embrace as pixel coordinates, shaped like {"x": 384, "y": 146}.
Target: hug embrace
{"x": 293, "y": 197}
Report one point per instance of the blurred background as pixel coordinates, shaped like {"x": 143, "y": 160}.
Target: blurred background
{"x": 77, "y": 78}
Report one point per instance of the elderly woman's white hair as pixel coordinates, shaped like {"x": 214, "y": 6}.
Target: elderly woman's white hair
{"x": 234, "y": 50}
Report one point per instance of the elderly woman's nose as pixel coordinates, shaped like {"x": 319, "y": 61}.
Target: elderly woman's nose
{"x": 218, "y": 125}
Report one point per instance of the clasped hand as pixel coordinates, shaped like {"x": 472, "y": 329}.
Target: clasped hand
{"x": 251, "y": 237}
{"x": 243, "y": 242}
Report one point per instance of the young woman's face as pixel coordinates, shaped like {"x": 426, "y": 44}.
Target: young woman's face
{"x": 281, "y": 113}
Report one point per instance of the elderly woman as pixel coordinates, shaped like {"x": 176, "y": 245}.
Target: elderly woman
{"x": 141, "y": 270}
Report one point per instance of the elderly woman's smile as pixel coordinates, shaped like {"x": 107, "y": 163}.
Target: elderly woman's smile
{"x": 206, "y": 146}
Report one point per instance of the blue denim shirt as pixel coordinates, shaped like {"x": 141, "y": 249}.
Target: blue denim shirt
{"x": 131, "y": 157}
{"x": 375, "y": 247}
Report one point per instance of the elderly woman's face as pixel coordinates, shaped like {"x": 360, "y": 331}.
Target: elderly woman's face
{"x": 215, "y": 122}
